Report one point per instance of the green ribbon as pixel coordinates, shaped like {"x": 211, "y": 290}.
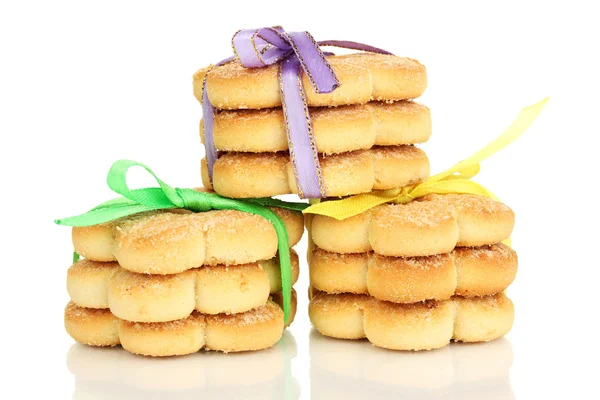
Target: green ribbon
{"x": 166, "y": 197}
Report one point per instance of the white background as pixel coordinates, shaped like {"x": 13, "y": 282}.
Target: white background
{"x": 85, "y": 83}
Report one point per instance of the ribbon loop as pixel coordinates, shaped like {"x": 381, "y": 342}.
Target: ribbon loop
{"x": 117, "y": 181}
{"x": 252, "y": 50}
{"x": 256, "y": 48}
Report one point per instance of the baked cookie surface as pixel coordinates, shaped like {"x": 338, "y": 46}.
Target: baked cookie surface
{"x": 363, "y": 77}
{"x": 243, "y": 175}
{"x": 418, "y": 326}
{"x": 256, "y": 329}
{"x": 173, "y": 242}
{"x": 211, "y": 289}
{"x": 467, "y": 272}
{"x": 433, "y": 225}
{"x": 336, "y": 129}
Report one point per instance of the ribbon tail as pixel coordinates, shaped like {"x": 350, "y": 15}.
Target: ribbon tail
{"x": 448, "y": 186}
{"x": 119, "y": 201}
{"x": 513, "y": 132}
{"x": 313, "y": 62}
{"x": 301, "y": 141}
{"x": 346, "y": 44}
{"x": 351, "y": 206}
{"x": 103, "y": 215}
{"x": 223, "y": 203}
{"x": 285, "y": 263}
{"x": 208, "y": 120}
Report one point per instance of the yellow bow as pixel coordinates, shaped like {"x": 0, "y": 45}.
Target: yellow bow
{"x": 456, "y": 179}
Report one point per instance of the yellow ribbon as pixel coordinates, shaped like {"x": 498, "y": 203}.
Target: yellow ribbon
{"x": 456, "y": 179}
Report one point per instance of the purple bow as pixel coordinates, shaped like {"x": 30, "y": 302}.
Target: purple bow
{"x": 257, "y": 48}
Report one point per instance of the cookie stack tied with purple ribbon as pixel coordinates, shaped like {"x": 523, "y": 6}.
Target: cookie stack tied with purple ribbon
{"x": 166, "y": 271}
{"x": 283, "y": 117}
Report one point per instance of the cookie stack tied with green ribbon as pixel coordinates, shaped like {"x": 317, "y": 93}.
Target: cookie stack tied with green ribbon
{"x": 166, "y": 271}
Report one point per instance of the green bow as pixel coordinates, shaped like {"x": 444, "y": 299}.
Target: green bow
{"x": 166, "y": 197}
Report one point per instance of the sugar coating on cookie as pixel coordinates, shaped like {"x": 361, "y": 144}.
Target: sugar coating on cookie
{"x": 336, "y": 129}
{"x": 434, "y": 225}
{"x": 242, "y": 175}
{"x": 257, "y": 329}
{"x": 363, "y": 77}
{"x": 159, "y": 298}
{"x": 417, "y": 326}
{"x": 173, "y": 242}
{"x": 468, "y": 272}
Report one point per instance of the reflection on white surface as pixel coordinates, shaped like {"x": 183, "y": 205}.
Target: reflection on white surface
{"x": 102, "y": 373}
{"x": 357, "y": 370}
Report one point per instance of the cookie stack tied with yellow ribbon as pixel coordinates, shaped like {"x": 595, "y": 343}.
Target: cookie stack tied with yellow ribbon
{"x": 414, "y": 276}
{"x": 316, "y": 125}
{"x": 417, "y": 267}
{"x": 171, "y": 271}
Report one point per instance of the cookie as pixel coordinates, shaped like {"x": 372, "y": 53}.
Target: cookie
{"x": 467, "y": 272}
{"x": 242, "y": 175}
{"x": 418, "y": 326}
{"x": 173, "y": 242}
{"x": 256, "y": 329}
{"x": 363, "y": 77}
{"x": 211, "y": 289}
{"x": 433, "y": 225}
{"x": 336, "y": 130}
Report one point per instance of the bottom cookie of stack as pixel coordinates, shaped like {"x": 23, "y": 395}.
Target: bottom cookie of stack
{"x": 418, "y": 326}
{"x": 256, "y": 329}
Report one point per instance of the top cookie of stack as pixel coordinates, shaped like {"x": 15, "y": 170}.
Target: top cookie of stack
{"x": 364, "y": 130}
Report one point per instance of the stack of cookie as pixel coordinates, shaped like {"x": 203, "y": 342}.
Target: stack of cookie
{"x": 362, "y": 145}
{"x": 414, "y": 276}
{"x": 171, "y": 283}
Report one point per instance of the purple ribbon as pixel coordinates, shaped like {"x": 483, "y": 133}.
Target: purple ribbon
{"x": 294, "y": 51}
